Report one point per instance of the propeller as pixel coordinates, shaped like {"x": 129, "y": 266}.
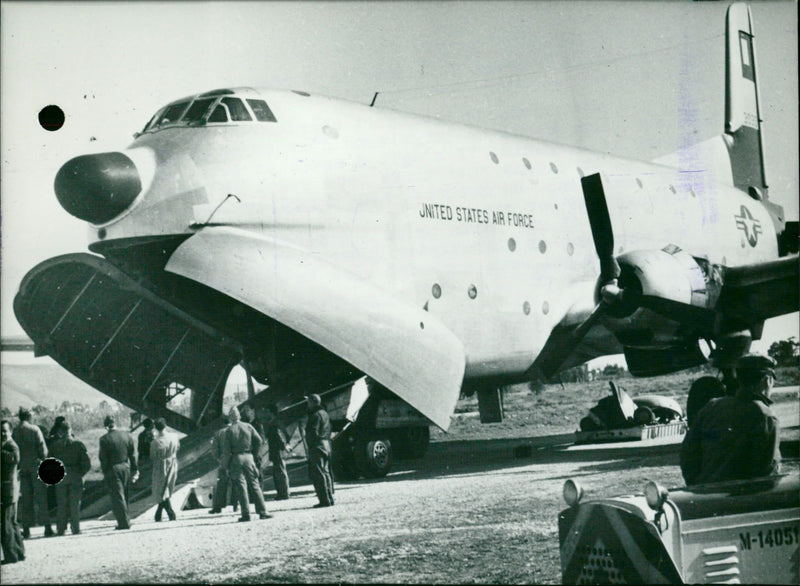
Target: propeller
{"x": 610, "y": 292}
{"x": 603, "y": 235}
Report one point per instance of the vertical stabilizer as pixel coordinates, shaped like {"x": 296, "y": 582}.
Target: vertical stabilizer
{"x": 743, "y": 123}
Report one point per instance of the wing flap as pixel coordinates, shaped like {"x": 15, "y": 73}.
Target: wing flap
{"x": 402, "y": 347}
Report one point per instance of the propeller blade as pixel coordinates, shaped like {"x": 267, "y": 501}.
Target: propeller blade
{"x": 562, "y": 346}
{"x": 595, "y": 199}
{"x": 581, "y": 331}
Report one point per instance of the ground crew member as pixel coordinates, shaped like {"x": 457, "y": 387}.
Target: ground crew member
{"x": 75, "y": 458}
{"x": 241, "y": 442}
{"x": 33, "y": 492}
{"x": 164, "y": 456}
{"x": 52, "y": 436}
{"x": 118, "y": 462}
{"x": 276, "y": 440}
{"x": 223, "y": 482}
{"x": 318, "y": 441}
{"x": 143, "y": 442}
{"x": 12, "y": 544}
{"x": 735, "y": 438}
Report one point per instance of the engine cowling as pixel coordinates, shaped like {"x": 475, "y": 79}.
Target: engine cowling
{"x": 667, "y": 281}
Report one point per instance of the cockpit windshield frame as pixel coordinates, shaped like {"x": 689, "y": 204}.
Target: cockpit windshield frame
{"x": 210, "y": 108}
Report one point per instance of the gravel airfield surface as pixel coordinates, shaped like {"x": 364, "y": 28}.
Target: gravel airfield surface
{"x": 471, "y": 511}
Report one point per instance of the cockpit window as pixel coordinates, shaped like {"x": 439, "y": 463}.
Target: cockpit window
{"x": 237, "y": 110}
{"x": 222, "y": 107}
{"x": 197, "y": 110}
{"x": 173, "y": 113}
{"x": 220, "y": 114}
{"x": 261, "y": 110}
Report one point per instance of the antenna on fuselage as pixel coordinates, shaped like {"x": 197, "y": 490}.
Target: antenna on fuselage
{"x": 375, "y": 97}
{"x": 227, "y": 197}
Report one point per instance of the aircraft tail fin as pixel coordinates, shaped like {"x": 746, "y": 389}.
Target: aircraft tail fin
{"x": 743, "y": 124}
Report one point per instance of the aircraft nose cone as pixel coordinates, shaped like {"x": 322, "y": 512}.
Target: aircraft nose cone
{"x": 97, "y": 188}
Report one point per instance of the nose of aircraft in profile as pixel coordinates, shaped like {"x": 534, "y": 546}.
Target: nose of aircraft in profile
{"x": 99, "y": 187}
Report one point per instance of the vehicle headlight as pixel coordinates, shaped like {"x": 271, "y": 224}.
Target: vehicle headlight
{"x": 573, "y": 492}
{"x": 655, "y": 495}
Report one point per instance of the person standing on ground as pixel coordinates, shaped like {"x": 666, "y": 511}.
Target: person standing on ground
{"x": 118, "y": 462}
{"x": 12, "y": 543}
{"x": 77, "y": 464}
{"x": 143, "y": 442}
{"x": 33, "y": 495}
{"x": 50, "y": 438}
{"x": 241, "y": 442}
{"x": 276, "y": 441}
{"x": 735, "y": 437}
{"x": 318, "y": 441}
{"x": 164, "y": 456}
{"x": 223, "y": 482}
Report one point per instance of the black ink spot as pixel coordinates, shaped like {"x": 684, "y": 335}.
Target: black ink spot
{"x": 51, "y": 118}
{"x": 51, "y": 471}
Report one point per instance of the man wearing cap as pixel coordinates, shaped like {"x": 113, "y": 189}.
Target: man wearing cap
{"x": 33, "y": 495}
{"x": 118, "y": 462}
{"x": 223, "y": 482}
{"x": 318, "y": 441}
{"x": 77, "y": 463}
{"x": 12, "y": 544}
{"x": 735, "y": 437}
{"x": 276, "y": 440}
{"x": 241, "y": 441}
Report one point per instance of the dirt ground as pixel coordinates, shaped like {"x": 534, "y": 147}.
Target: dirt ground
{"x": 471, "y": 511}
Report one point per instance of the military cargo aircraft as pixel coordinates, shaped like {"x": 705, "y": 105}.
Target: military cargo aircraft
{"x": 316, "y": 241}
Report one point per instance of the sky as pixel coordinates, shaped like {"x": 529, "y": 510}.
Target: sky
{"x": 636, "y": 79}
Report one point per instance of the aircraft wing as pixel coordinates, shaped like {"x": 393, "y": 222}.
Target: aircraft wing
{"x": 403, "y": 347}
{"x": 760, "y": 291}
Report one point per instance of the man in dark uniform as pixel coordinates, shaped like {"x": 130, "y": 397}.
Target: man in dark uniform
{"x": 318, "y": 441}
{"x": 13, "y": 546}
{"x": 223, "y": 481}
{"x": 241, "y": 441}
{"x": 276, "y": 440}
{"x": 75, "y": 458}
{"x": 32, "y": 450}
{"x": 50, "y": 438}
{"x": 144, "y": 440}
{"x": 735, "y": 437}
{"x": 118, "y": 462}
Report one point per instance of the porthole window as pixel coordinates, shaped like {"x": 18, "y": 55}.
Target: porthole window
{"x": 527, "y": 163}
{"x": 639, "y": 183}
{"x": 570, "y": 248}
{"x": 545, "y": 308}
{"x": 512, "y": 244}
{"x": 553, "y": 167}
{"x": 436, "y": 290}
{"x": 494, "y": 158}
{"x": 526, "y": 308}
{"x": 672, "y": 189}
{"x": 472, "y": 292}
{"x": 542, "y": 246}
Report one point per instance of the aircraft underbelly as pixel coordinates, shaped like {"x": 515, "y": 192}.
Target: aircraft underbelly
{"x": 118, "y": 336}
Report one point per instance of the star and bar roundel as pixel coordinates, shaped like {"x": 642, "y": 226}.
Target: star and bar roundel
{"x": 603, "y": 544}
{"x": 749, "y": 225}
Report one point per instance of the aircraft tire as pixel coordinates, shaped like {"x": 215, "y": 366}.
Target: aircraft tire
{"x": 374, "y": 457}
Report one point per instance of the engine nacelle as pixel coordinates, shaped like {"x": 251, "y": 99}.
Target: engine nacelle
{"x": 667, "y": 277}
